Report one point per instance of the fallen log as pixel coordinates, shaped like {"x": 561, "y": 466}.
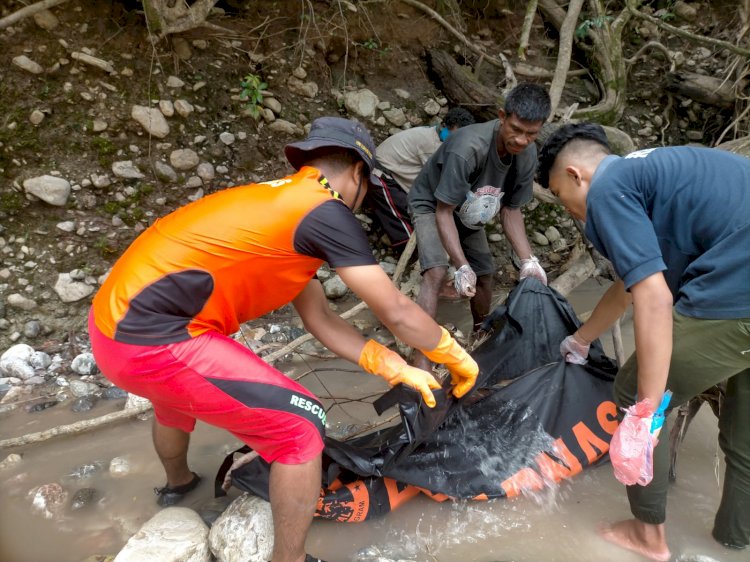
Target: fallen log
{"x": 462, "y": 88}
{"x": 74, "y": 428}
{"x": 701, "y": 88}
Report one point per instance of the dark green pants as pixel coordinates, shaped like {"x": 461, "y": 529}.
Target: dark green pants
{"x": 704, "y": 353}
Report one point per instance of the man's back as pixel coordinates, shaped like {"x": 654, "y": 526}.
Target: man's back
{"x": 697, "y": 201}
{"x": 405, "y": 153}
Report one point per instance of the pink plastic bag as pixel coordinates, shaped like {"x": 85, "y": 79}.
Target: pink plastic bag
{"x": 632, "y": 446}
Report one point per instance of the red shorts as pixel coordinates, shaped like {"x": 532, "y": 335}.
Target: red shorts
{"x": 214, "y": 379}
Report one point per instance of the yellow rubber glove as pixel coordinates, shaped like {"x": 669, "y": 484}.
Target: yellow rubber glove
{"x": 379, "y": 360}
{"x": 463, "y": 368}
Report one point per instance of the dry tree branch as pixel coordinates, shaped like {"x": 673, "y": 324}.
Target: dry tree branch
{"x": 567, "y": 30}
{"x": 689, "y": 35}
{"x": 28, "y": 11}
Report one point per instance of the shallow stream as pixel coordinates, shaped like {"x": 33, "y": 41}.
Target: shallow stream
{"x": 557, "y": 525}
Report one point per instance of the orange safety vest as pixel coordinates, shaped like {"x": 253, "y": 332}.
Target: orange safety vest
{"x": 212, "y": 264}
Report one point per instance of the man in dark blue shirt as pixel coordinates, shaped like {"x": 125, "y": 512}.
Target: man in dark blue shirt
{"x": 675, "y": 223}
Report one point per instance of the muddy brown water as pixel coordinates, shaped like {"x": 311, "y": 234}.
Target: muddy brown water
{"x": 555, "y": 525}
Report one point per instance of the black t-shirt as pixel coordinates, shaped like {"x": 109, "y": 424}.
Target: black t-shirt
{"x": 332, "y": 233}
{"x": 466, "y": 171}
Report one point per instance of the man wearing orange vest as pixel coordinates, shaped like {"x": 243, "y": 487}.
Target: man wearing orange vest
{"x": 160, "y": 324}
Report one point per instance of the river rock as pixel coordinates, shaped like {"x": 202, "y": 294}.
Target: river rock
{"x": 70, "y": 290}
{"x": 184, "y": 159}
{"x": 151, "y": 119}
{"x": 431, "y": 107}
{"x": 84, "y": 364}
{"x": 21, "y": 302}
{"x": 48, "y": 499}
{"x": 86, "y": 470}
{"x": 36, "y": 117}
{"x": 305, "y": 89}
{"x": 206, "y": 171}
{"x": 244, "y": 532}
{"x": 164, "y": 172}
{"x": 82, "y": 388}
{"x": 335, "y": 288}
{"x": 135, "y": 402}
{"x": 50, "y": 189}
{"x": 19, "y": 351}
{"x": 174, "y": 534}
{"x": 552, "y": 234}
{"x": 14, "y": 367}
{"x": 41, "y": 406}
{"x": 127, "y": 170}
{"x": 40, "y": 360}
{"x": 273, "y": 104}
{"x": 174, "y": 82}
{"x": 114, "y": 393}
{"x": 283, "y": 126}
{"x": 11, "y": 460}
{"x": 361, "y": 103}
{"x": 183, "y": 108}
{"x": 25, "y": 63}
{"x": 83, "y": 498}
{"x": 119, "y": 466}
{"x": 395, "y": 116}
{"x": 227, "y": 138}
{"x": 46, "y": 20}
{"x": 539, "y": 238}
{"x": 84, "y": 403}
{"x": 32, "y": 329}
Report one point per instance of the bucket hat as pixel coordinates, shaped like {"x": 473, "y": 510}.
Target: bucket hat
{"x": 333, "y": 131}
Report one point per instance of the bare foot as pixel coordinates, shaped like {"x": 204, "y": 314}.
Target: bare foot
{"x": 642, "y": 538}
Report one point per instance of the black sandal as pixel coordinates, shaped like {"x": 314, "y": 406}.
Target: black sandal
{"x": 309, "y": 558}
{"x": 167, "y": 496}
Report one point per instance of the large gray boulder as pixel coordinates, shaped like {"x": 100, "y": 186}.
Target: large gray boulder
{"x": 175, "y": 534}
{"x": 244, "y": 532}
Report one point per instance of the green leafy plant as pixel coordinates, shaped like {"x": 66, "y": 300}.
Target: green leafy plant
{"x": 252, "y": 92}
{"x": 372, "y": 45}
{"x": 597, "y": 22}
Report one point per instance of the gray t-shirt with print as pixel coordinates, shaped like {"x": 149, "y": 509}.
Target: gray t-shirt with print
{"x": 467, "y": 172}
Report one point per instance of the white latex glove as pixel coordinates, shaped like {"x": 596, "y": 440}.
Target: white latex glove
{"x": 531, "y": 268}
{"x": 574, "y": 351}
{"x": 465, "y": 281}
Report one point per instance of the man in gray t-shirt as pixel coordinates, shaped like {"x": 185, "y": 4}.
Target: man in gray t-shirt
{"x": 479, "y": 171}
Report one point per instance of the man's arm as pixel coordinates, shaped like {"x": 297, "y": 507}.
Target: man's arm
{"x": 327, "y": 326}
{"x": 449, "y": 234}
{"x": 402, "y": 316}
{"x": 515, "y": 231}
{"x": 610, "y": 307}
{"x": 652, "y": 318}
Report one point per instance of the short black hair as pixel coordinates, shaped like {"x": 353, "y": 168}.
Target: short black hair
{"x": 528, "y": 102}
{"x": 458, "y": 117}
{"x": 554, "y": 144}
